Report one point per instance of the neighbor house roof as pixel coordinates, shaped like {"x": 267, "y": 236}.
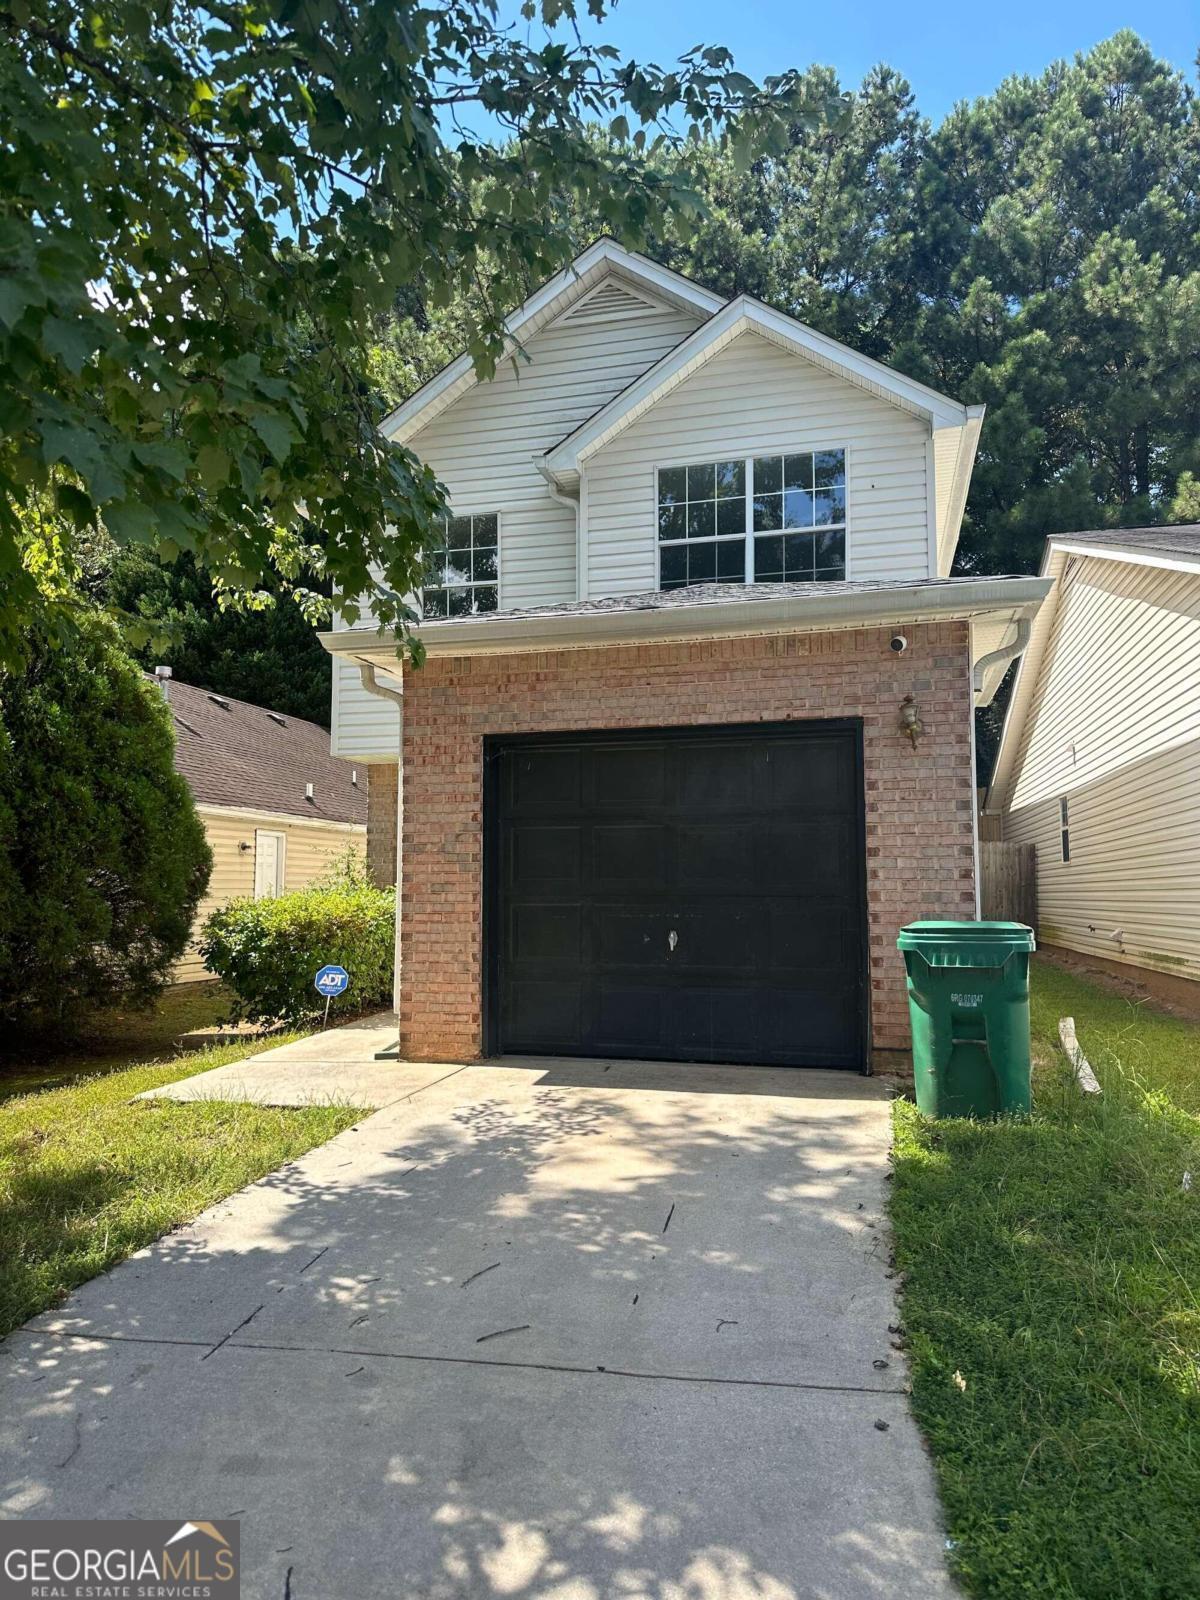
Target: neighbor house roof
{"x": 246, "y": 757}
{"x": 1177, "y": 547}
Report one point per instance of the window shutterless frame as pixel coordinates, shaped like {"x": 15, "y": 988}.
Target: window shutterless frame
{"x": 747, "y": 459}
{"x": 497, "y": 583}
{"x": 1064, "y": 822}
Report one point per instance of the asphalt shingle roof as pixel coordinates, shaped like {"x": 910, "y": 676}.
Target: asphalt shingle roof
{"x": 700, "y": 594}
{"x": 235, "y": 754}
{"x": 1183, "y": 540}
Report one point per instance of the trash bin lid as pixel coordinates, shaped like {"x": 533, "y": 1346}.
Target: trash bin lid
{"x": 966, "y": 944}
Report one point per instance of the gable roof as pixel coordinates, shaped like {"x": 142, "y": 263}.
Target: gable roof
{"x": 745, "y": 315}
{"x": 246, "y": 757}
{"x": 1159, "y": 547}
{"x": 555, "y": 297}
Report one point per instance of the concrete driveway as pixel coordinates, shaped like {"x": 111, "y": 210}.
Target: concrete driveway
{"x": 574, "y": 1331}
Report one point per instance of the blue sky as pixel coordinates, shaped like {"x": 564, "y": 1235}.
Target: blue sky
{"x": 939, "y": 47}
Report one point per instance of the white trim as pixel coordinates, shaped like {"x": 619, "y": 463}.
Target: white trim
{"x": 542, "y": 307}
{"x": 1131, "y": 555}
{"x": 885, "y": 605}
{"x": 208, "y": 809}
{"x": 583, "y": 558}
{"x": 744, "y": 315}
{"x": 931, "y": 558}
{"x": 974, "y": 780}
{"x": 1024, "y": 683}
{"x": 964, "y": 466}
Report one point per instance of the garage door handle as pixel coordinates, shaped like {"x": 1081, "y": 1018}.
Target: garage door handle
{"x": 672, "y": 939}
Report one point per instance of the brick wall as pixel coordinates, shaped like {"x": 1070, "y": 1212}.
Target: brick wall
{"x": 920, "y": 860}
{"x": 382, "y": 790}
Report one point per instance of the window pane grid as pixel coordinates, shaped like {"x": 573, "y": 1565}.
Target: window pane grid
{"x": 792, "y": 507}
{"x": 462, "y": 569}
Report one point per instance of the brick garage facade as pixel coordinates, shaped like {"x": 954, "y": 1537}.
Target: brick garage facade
{"x": 382, "y": 789}
{"x": 920, "y": 852}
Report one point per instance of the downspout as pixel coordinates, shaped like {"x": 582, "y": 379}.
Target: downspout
{"x": 1006, "y": 654}
{"x": 572, "y": 505}
{"x": 366, "y": 673}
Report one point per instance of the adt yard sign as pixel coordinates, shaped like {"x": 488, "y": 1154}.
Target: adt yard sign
{"x": 331, "y": 981}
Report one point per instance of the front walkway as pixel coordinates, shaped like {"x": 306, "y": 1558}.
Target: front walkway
{"x": 566, "y": 1330}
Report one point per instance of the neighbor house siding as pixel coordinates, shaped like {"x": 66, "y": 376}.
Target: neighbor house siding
{"x": 918, "y": 802}
{"x": 482, "y": 448}
{"x": 310, "y": 850}
{"x": 1114, "y": 729}
{"x": 1131, "y": 890}
{"x": 754, "y": 397}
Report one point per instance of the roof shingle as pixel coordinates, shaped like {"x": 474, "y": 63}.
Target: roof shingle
{"x": 236, "y": 754}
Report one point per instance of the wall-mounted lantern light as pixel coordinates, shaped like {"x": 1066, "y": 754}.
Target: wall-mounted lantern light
{"x": 910, "y": 720}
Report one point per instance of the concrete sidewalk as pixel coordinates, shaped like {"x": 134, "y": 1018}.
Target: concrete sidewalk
{"x": 572, "y": 1330}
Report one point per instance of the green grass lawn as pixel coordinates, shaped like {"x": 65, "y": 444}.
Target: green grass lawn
{"x": 1052, "y": 1311}
{"x": 115, "y": 1040}
{"x": 87, "y": 1176}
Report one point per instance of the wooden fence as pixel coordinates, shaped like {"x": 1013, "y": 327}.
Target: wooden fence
{"x": 1008, "y": 888}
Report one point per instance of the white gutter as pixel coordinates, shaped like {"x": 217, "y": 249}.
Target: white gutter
{"x": 583, "y": 627}
{"x": 572, "y": 505}
{"x": 370, "y": 682}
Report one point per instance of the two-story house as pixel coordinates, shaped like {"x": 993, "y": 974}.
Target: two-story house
{"x": 694, "y": 734}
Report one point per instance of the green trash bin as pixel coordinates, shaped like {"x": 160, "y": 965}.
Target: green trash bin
{"x": 968, "y": 998}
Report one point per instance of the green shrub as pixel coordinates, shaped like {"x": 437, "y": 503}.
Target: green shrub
{"x": 102, "y": 857}
{"x": 269, "y": 951}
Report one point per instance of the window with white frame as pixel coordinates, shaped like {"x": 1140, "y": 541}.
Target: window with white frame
{"x": 462, "y": 569}
{"x": 754, "y": 519}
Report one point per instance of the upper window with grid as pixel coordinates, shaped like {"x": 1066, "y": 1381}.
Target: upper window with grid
{"x": 762, "y": 519}
{"x": 462, "y": 569}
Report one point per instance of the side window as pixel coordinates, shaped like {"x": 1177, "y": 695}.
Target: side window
{"x": 462, "y": 571}
{"x": 1064, "y": 819}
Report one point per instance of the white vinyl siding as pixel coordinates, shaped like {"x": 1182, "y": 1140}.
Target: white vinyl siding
{"x": 482, "y": 447}
{"x": 1114, "y": 729}
{"x": 309, "y": 849}
{"x": 365, "y": 728}
{"x": 755, "y": 399}
{"x": 1131, "y": 890}
{"x": 1120, "y": 679}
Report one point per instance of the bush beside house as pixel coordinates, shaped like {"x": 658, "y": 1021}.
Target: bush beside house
{"x": 269, "y": 951}
{"x": 103, "y": 859}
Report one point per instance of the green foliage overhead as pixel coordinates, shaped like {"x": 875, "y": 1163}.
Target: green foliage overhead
{"x": 269, "y": 951}
{"x": 103, "y": 859}
{"x": 202, "y": 210}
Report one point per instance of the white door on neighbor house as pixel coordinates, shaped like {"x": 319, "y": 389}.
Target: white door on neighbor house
{"x": 269, "y": 852}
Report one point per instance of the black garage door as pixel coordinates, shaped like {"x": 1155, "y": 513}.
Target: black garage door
{"x": 693, "y": 895}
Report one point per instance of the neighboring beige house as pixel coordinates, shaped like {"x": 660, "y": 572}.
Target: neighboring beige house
{"x": 276, "y": 806}
{"x": 1099, "y": 763}
{"x": 694, "y": 737}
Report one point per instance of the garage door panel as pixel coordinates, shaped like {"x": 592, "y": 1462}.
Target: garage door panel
{"x": 630, "y": 855}
{"x": 545, "y": 780}
{"x": 715, "y": 777}
{"x": 694, "y": 894}
{"x": 811, "y": 775}
{"x": 546, "y": 935}
{"x": 807, "y": 856}
{"x": 714, "y": 855}
{"x": 544, "y": 1013}
{"x": 544, "y": 857}
{"x": 621, "y": 776}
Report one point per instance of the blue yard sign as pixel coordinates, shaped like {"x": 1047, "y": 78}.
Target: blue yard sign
{"x": 331, "y": 981}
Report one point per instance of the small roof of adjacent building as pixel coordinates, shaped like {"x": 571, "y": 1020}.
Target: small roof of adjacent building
{"x": 1183, "y": 540}
{"x": 252, "y": 759}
